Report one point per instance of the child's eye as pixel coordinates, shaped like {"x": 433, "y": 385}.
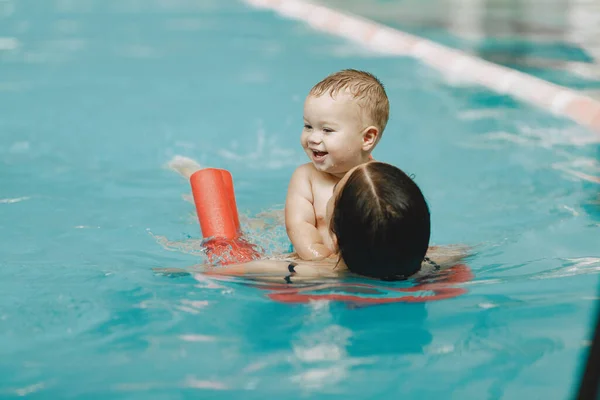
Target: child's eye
{"x": 307, "y": 126}
{"x": 327, "y": 130}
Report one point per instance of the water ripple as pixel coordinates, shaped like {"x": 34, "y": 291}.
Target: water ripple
{"x": 570, "y": 267}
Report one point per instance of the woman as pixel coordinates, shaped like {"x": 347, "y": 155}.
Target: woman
{"x": 380, "y": 223}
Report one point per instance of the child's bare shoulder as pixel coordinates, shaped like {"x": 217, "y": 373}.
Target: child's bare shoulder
{"x": 307, "y": 179}
{"x": 306, "y": 172}
{"x": 306, "y": 169}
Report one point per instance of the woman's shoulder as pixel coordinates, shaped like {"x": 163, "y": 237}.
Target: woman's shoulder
{"x": 440, "y": 258}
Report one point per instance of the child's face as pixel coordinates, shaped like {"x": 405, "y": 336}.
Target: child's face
{"x": 333, "y": 133}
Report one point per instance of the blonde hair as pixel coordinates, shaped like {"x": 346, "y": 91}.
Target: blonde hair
{"x": 364, "y": 87}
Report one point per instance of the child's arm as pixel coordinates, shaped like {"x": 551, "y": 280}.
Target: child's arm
{"x": 300, "y": 219}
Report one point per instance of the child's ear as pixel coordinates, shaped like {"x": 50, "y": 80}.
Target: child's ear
{"x": 370, "y": 136}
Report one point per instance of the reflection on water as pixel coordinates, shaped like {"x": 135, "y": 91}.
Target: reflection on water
{"x": 504, "y": 351}
{"x": 329, "y": 348}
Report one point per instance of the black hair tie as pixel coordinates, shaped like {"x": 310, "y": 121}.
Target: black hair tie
{"x": 429, "y": 261}
{"x": 288, "y": 278}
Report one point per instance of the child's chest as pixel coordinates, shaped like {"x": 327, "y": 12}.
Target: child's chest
{"x": 322, "y": 192}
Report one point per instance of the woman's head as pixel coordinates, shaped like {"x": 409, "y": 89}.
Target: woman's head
{"x": 381, "y": 221}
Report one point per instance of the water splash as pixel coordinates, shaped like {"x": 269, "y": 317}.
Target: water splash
{"x": 268, "y": 154}
{"x": 267, "y": 230}
{"x": 264, "y": 233}
{"x": 187, "y": 246}
{"x": 184, "y": 166}
{"x": 14, "y": 200}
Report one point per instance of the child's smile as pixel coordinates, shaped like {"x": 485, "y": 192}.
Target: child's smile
{"x": 318, "y": 156}
{"x": 333, "y": 133}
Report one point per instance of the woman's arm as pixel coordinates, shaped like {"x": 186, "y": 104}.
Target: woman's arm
{"x": 448, "y": 256}
{"x": 276, "y": 268}
{"x": 266, "y": 269}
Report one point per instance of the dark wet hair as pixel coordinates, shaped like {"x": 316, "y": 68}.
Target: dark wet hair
{"x": 381, "y": 221}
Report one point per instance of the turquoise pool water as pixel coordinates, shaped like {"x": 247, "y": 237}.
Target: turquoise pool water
{"x": 95, "y": 98}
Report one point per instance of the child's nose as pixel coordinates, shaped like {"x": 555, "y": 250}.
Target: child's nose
{"x": 315, "y": 137}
